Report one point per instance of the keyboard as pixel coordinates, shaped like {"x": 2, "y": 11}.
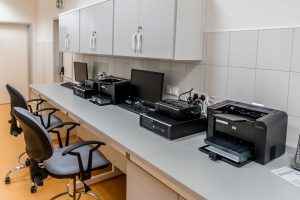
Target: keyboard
{"x": 138, "y": 109}
{"x": 68, "y": 85}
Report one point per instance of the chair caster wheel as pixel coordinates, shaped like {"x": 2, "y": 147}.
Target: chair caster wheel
{"x": 33, "y": 189}
{"x": 7, "y": 180}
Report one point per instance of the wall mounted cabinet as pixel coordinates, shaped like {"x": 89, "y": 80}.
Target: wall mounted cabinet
{"x": 169, "y": 29}
{"x": 96, "y": 28}
{"x": 69, "y": 31}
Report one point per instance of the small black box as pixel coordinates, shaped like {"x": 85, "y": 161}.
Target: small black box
{"x": 84, "y": 92}
{"x": 178, "y": 109}
{"x": 170, "y": 128}
{"x": 92, "y": 83}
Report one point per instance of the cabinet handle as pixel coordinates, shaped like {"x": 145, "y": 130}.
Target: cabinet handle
{"x": 67, "y": 41}
{"x": 94, "y": 43}
{"x": 134, "y": 41}
{"x": 91, "y": 43}
{"x": 140, "y": 42}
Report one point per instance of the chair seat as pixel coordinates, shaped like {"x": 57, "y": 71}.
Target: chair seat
{"x": 60, "y": 166}
{"x": 53, "y": 119}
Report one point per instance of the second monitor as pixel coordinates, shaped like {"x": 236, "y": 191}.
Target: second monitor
{"x": 146, "y": 86}
{"x": 80, "y": 72}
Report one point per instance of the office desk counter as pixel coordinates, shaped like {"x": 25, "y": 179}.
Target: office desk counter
{"x": 178, "y": 160}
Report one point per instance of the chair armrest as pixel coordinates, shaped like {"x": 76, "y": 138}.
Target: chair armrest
{"x": 84, "y": 174}
{"x": 39, "y": 102}
{"x": 52, "y": 111}
{"x": 36, "y": 100}
{"x": 62, "y": 124}
{"x": 52, "y": 128}
{"x": 70, "y": 149}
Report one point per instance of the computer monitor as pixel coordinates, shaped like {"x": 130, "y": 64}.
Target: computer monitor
{"x": 146, "y": 86}
{"x": 80, "y": 71}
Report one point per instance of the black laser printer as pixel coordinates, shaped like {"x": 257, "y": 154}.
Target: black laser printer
{"x": 112, "y": 90}
{"x": 239, "y": 133}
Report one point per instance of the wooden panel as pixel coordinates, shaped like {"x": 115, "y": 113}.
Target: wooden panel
{"x": 179, "y": 188}
{"x": 141, "y": 185}
{"x": 181, "y": 198}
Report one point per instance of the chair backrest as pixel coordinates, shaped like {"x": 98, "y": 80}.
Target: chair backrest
{"x": 16, "y": 98}
{"x": 38, "y": 143}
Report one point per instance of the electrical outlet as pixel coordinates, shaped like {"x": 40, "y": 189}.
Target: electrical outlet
{"x": 172, "y": 90}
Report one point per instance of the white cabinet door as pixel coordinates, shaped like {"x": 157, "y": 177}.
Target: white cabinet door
{"x": 96, "y": 28}
{"x": 69, "y": 32}
{"x": 157, "y": 19}
{"x": 125, "y": 26}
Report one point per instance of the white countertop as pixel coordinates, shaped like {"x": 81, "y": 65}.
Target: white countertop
{"x": 179, "y": 159}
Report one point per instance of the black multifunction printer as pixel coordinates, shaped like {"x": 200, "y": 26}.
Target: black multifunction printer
{"x": 239, "y": 133}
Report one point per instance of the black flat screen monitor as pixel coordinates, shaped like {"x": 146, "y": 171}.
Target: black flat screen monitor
{"x": 146, "y": 86}
{"x": 80, "y": 71}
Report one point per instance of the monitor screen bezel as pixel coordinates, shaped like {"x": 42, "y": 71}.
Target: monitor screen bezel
{"x": 145, "y": 101}
{"x": 86, "y": 68}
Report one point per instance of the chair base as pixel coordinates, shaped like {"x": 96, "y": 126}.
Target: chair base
{"x": 74, "y": 196}
{"x": 20, "y": 159}
{"x": 22, "y": 165}
{"x": 7, "y": 179}
{"x": 72, "y": 192}
{"x": 33, "y": 188}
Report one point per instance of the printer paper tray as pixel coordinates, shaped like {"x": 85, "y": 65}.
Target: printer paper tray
{"x": 215, "y": 156}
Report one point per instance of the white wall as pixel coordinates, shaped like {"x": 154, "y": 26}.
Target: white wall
{"x": 251, "y": 14}
{"x": 257, "y": 65}
{"x": 20, "y": 11}
{"x": 261, "y": 66}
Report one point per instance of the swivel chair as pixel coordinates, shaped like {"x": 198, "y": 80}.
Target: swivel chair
{"x": 49, "y": 121}
{"x": 77, "y": 160}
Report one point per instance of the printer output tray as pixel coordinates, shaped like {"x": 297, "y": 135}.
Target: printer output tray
{"x": 215, "y": 156}
{"x": 229, "y": 150}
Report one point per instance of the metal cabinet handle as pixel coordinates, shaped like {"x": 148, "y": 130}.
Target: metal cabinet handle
{"x": 94, "y": 43}
{"x": 140, "y": 42}
{"x": 134, "y": 42}
{"x": 91, "y": 43}
{"x": 67, "y": 42}
{"x": 139, "y": 39}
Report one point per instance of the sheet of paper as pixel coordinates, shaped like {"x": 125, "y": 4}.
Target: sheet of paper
{"x": 288, "y": 174}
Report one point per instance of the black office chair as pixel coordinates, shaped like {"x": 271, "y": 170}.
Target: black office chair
{"x": 67, "y": 162}
{"x": 49, "y": 121}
